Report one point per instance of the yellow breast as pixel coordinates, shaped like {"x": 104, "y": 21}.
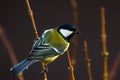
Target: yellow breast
{"x": 56, "y": 40}
{"x": 49, "y": 59}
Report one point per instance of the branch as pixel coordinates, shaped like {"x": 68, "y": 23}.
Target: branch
{"x": 115, "y": 66}
{"x": 72, "y": 60}
{"x": 72, "y": 77}
{"x": 75, "y": 38}
{"x": 35, "y": 30}
{"x": 104, "y": 47}
{"x": 10, "y": 50}
{"x": 87, "y": 60}
{"x": 32, "y": 18}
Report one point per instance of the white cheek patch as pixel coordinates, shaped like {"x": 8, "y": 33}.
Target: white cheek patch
{"x": 65, "y": 32}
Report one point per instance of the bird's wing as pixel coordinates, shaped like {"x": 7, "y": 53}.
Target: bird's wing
{"x": 41, "y": 48}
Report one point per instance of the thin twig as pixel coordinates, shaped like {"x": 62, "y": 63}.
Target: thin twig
{"x": 32, "y": 18}
{"x": 70, "y": 66}
{"x": 74, "y": 12}
{"x": 10, "y": 50}
{"x": 75, "y": 39}
{"x": 45, "y": 75}
{"x": 115, "y": 66}
{"x": 36, "y": 32}
{"x": 104, "y": 47}
{"x": 74, "y": 43}
{"x": 87, "y": 60}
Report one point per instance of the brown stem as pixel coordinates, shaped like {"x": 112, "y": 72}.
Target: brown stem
{"x": 32, "y": 18}
{"x": 10, "y": 50}
{"x": 72, "y": 77}
{"x": 115, "y": 66}
{"x": 87, "y": 60}
{"x": 74, "y": 12}
{"x": 45, "y": 75}
{"x": 104, "y": 47}
{"x": 75, "y": 38}
{"x": 34, "y": 27}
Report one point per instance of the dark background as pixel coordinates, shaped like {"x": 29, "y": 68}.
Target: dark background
{"x": 51, "y": 13}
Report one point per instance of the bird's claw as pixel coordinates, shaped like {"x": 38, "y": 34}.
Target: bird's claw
{"x": 44, "y": 71}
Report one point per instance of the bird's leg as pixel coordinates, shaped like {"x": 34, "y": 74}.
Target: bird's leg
{"x": 45, "y": 69}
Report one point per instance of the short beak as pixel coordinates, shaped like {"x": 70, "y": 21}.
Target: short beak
{"x": 77, "y": 32}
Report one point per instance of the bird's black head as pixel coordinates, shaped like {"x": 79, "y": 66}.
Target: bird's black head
{"x": 67, "y": 31}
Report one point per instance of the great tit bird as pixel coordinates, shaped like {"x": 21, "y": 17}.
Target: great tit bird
{"x": 52, "y": 44}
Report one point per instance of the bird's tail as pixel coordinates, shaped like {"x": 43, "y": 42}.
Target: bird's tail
{"x": 22, "y": 66}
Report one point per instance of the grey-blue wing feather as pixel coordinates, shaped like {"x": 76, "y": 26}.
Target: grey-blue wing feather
{"x": 42, "y": 49}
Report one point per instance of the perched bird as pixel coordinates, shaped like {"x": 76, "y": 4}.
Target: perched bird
{"x": 52, "y": 44}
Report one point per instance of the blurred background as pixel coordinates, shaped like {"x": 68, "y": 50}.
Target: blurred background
{"x": 15, "y": 21}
